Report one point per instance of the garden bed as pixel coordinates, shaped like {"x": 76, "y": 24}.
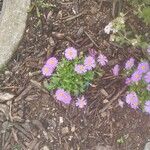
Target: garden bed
{"x": 37, "y": 119}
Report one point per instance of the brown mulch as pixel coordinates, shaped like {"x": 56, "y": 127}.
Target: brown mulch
{"x": 37, "y": 119}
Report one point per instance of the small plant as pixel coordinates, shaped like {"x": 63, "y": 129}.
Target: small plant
{"x": 138, "y": 81}
{"x": 71, "y": 76}
{"x": 39, "y": 6}
{"x": 120, "y": 140}
{"x": 119, "y": 33}
{"x": 144, "y": 13}
{"x": 142, "y": 9}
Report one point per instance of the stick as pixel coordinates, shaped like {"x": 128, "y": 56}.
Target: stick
{"x": 74, "y": 17}
{"x": 112, "y": 100}
{"x": 91, "y": 39}
{"x": 23, "y": 93}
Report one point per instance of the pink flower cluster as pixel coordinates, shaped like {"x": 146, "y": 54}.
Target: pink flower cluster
{"x": 49, "y": 67}
{"x": 132, "y": 100}
{"x": 88, "y": 64}
{"x": 142, "y": 72}
{"x": 65, "y": 97}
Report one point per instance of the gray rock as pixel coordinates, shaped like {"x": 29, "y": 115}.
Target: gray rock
{"x": 12, "y": 25}
{"x": 5, "y": 97}
{"x": 44, "y": 148}
{"x": 147, "y": 146}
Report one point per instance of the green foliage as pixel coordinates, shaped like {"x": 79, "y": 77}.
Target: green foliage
{"x": 142, "y": 9}
{"x": 145, "y": 14}
{"x": 66, "y": 78}
{"x": 139, "y": 2}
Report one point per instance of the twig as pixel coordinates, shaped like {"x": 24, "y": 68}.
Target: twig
{"x": 71, "y": 40}
{"x": 7, "y": 142}
{"x": 91, "y": 39}
{"x": 113, "y": 99}
{"x": 23, "y": 93}
{"x": 38, "y": 85}
{"x": 74, "y": 17}
{"x": 23, "y": 131}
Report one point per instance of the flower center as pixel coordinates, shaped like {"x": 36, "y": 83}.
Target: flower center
{"x": 137, "y": 76}
{"x": 143, "y": 67}
{"x": 70, "y": 53}
{"x": 46, "y": 70}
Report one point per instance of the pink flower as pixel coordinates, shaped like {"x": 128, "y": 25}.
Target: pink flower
{"x": 132, "y": 100}
{"x": 147, "y": 106}
{"x": 47, "y": 71}
{"x": 128, "y": 81}
{"x": 80, "y": 69}
{"x": 136, "y": 76}
{"x": 81, "y": 102}
{"x": 52, "y": 62}
{"x": 143, "y": 67}
{"x": 129, "y": 64}
{"x": 70, "y": 53}
{"x": 147, "y": 77}
{"x": 115, "y": 70}
{"x": 89, "y": 63}
{"x": 148, "y": 87}
{"x": 63, "y": 96}
{"x": 102, "y": 60}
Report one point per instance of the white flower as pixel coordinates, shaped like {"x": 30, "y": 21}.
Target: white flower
{"x": 108, "y": 28}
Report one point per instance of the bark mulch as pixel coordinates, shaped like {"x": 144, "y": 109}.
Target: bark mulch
{"x": 36, "y": 119}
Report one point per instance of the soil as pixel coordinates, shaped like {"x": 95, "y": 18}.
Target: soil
{"x": 37, "y": 119}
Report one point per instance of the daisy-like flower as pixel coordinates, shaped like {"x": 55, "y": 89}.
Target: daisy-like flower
{"x": 148, "y": 87}
{"x": 136, "y": 76}
{"x": 63, "y": 96}
{"x": 132, "y": 100}
{"x": 129, "y": 64}
{"x": 147, "y": 106}
{"x": 143, "y": 67}
{"x": 147, "y": 77}
{"x": 81, "y": 102}
{"x": 102, "y": 60}
{"x": 108, "y": 28}
{"x": 115, "y": 70}
{"x": 70, "y": 53}
{"x": 80, "y": 69}
{"x": 52, "y": 62}
{"x": 47, "y": 71}
{"x": 89, "y": 63}
{"x": 128, "y": 81}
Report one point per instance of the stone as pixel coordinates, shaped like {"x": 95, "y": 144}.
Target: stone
{"x": 44, "y": 148}
{"x": 6, "y": 97}
{"x": 147, "y": 146}
{"x": 65, "y": 130}
{"x": 12, "y": 26}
